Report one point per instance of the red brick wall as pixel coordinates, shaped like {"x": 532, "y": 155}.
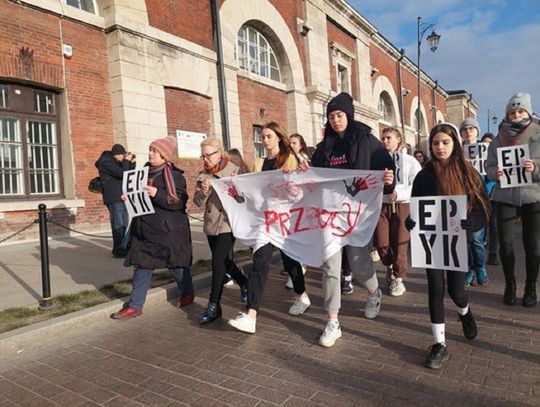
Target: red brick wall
{"x": 192, "y": 112}
{"x": 344, "y": 39}
{"x": 188, "y": 19}
{"x": 253, "y": 97}
{"x": 87, "y": 86}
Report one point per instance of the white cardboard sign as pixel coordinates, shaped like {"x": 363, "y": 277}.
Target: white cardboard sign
{"x": 477, "y": 155}
{"x": 437, "y": 240}
{"x": 400, "y": 169}
{"x": 510, "y": 160}
{"x": 134, "y": 187}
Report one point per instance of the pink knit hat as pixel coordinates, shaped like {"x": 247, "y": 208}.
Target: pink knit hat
{"x": 165, "y": 147}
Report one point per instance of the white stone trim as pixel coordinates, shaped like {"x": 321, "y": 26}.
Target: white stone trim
{"x": 383, "y": 84}
{"x": 414, "y": 106}
{"x": 62, "y": 9}
{"x": 19, "y": 206}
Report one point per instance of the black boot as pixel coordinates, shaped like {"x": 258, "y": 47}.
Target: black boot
{"x": 509, "y": 297}
{"x": 470, "y": 330}
{"x": 212, "y": 312}
{"x": 529, "y": 295}
{"x": 438, "y": 354}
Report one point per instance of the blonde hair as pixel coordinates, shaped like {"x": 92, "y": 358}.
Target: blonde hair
{"x": 213, "y": 142}
{"x": 399, "y": 135}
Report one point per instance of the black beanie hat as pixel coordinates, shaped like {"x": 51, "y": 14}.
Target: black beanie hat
{"x": 118, "y": 149}
{"x": 343, "y": 102}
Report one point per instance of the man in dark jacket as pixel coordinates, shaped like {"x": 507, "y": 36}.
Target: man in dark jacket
{"x": 111, "y": 166}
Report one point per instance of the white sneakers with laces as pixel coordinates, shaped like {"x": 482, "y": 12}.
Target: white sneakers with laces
{"x": 243, "y": 323}
{"x": 373, "y": 305}
{"x": 332, "y": 332}
{"x": 397, "y": 287}
{"x": 300, "y": 305}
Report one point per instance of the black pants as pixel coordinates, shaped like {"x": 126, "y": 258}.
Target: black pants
{"x": 456, "y": 289}
{"x": 261, "y": 267}
{"x": 221, "y": 247}
{"x": 530, "y": 223}
{"x": 493, "y": 240}
{"x": 345, "y": 267}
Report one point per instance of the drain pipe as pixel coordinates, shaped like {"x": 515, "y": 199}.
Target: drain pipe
{"x": 400, "y": 87}
{"x": 221, "y": 75}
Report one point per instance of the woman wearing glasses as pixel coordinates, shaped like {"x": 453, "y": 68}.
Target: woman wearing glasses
{"x": 216, "y": 225}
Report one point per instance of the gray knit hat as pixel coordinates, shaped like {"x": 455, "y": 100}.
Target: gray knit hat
{"x": 470, "y": 121}
{"x": 520, "y": 100}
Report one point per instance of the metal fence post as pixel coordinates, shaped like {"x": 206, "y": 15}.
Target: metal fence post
{"x": 46, "y": 300}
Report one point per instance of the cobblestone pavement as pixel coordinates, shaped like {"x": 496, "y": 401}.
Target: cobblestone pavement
{"x": 165, "y": 358}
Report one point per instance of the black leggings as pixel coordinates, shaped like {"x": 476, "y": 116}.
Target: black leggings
{"x": 456, "y": 289}
{"x": 222, "y": 247}
{"x": 261, "y": 267}
{"x": 530, "y": 224}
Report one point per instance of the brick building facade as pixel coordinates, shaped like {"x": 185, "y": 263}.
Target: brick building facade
{"x": 77, "y": 76}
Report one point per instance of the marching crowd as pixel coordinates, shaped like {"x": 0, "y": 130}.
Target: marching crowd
{"x": 163, "y": 239}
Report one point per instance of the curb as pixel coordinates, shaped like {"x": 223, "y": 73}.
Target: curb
{"x": 66, "y": 326}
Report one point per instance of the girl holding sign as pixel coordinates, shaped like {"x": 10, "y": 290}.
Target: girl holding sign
{"x": 518, "y": 129}
{"x": 279, "y": 156}
{"x": 448, "y": 173}
{"x": 391, "y": 236}
{"x": 161, "y": 239}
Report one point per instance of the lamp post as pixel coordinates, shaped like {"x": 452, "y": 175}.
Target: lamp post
{"x": 491, "y": 118}
{"x": 433, "y": 41}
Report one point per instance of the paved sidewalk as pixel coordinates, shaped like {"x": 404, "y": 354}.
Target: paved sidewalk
{"x": 76, "y": 263}
{"x": 165, "y": 358}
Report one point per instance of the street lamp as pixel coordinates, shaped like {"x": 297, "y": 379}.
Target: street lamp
{"x": 433, "y": 41}
{"x": 491, "y": 118}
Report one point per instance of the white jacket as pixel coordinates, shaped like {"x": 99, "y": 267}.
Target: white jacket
{"x": 411, "y": 167}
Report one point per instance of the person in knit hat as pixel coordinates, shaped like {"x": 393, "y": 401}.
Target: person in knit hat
{"x": 161, "y": 239}
{"x": 519, "y": 127}
{"x": 469, "y": 130}
{"x": 349, "y": 144}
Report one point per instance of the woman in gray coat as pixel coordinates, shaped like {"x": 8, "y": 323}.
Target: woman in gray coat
{"x": 518, "y": 128}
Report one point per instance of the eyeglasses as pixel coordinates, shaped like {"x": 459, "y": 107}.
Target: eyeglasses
{"x": 209, "y": 155}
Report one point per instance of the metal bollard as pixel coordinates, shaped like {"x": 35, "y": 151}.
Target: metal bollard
{"x": 46, "y": 300}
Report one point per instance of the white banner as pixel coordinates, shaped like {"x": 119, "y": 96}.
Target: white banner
{"x": 309, "y": 215}
{"x": 510, "y": 160}
{"x": 400, "y": 166}
{"x": 477, "y": 155}
{"x": 437, "y": 240}
{"x": 134, "y": 187}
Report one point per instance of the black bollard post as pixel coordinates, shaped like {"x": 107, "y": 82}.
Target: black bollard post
{"x": 46, "y": 300}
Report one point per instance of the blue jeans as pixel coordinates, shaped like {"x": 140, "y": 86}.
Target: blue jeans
{"x": 477, "y": 250}
{"x": 142, "y": 278}
{"x": 119, "y": 223}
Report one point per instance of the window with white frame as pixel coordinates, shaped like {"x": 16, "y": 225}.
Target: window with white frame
{"x": 29, "y": 148}
{"x": 260, "y": 152}
{"x": 86, "y": 5}
{"x": 385, "y": 107}
{"x": 255, "y": 55}
{"x": 343, "y": 79}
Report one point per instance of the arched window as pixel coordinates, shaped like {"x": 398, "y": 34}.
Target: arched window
{"x": 385, "y": 107}
{"x": 255, "y": 54}
{"x": 422, "y": 122}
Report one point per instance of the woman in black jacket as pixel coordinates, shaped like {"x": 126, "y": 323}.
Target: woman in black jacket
{"x": 161, "y": 239}
{"x": 448, "y": 173}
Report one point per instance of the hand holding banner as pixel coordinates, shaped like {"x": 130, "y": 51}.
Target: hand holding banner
{"x": 438, "y": 240}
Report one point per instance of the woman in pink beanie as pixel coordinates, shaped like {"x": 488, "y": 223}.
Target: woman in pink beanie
{"x": 161, "y": 239}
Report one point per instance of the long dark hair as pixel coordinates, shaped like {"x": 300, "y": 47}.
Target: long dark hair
{"x": 457, "y": 176}
{"x": 284, "y": 147}
{"x": 303, "y": 145}
{"x": 236, "y": 158}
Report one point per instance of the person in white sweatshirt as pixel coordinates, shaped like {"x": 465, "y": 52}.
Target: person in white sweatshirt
{"x": 391, "y": 236}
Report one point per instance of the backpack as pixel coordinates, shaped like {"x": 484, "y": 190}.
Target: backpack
{"x": 95, "y": 185}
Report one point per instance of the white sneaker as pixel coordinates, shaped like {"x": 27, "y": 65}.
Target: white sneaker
{"x": 331, "y": 334}
{"x": 300, "y": 305}
{"x": 243, "y": 323}
{"x": 229, "y": 283}
{"x": 289, "y": 283}
{"x": 397, "y": 287}
{"x": 373, "y": 305}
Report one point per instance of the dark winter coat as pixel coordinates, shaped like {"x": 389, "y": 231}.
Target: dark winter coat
{"x": 111, "y": 173}
{"x": 365, "y": 151}
{"x": 425, "y": 184}
{"x": 162, "y": 239}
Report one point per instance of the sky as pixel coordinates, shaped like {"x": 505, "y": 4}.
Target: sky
{"x": 490, "y": 48}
